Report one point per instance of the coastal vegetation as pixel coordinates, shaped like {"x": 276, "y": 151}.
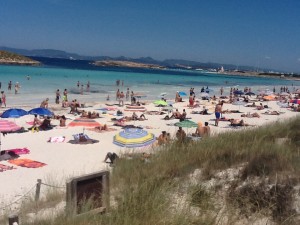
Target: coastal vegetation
{"x": 130, "y": 64}
{"x": 12, "y": 58}
{"x": 240, "y": 177}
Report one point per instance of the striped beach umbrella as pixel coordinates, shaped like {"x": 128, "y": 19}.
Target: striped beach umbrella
{"x": 133, "y": 138}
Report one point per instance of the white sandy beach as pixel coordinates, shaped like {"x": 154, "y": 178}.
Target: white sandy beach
{"x": 65, "y": 160}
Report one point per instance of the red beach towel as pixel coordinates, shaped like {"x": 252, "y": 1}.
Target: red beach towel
{"x": 28, "y": 163}
{"x": 19, "y": 151}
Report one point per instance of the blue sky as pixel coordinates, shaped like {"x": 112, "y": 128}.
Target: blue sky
{"x": 262, "y": 33}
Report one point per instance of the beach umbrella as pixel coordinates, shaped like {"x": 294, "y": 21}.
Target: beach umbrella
{"x": 182, "y": 93}
{"x": 133, "y": 138}
{"x": 83, "y": 122}
{"x": 238, "y": 92}
{"x": 250, "y": 93}
{"x": 7, "y": 126}
{"x": 139, "y": 95}
{"x": 186, "y": 124}
{"x": 13, "y": 113}
{"x": 41, "y": 111}
{"x": 207, "y": 90}
{"x": 204, "y": 95}
{"x": 160, "y": 102}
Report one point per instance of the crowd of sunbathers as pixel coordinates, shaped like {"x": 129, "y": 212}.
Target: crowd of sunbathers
{"x": 176, "y": 115}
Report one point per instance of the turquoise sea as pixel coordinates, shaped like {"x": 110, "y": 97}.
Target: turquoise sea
{"x": 45, "y": 80}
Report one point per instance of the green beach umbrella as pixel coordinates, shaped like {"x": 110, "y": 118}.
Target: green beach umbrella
{"x": 160, "y": 102}
{"x": 187, "y": 124}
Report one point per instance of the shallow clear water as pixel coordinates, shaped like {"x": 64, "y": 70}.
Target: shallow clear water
{"x": 44, "y": 81}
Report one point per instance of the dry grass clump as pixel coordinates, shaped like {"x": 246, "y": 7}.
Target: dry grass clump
{"x": 268, "y": 200}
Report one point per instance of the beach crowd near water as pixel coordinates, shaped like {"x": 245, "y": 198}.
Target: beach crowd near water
{"x": 79, "y": 137}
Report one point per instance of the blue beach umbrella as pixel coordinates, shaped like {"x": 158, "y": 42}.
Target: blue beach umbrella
{"x": 14, "y": 113}
{"x": 182, "y": 93}
{"x": 41, "y": 111}
{"x": 250, "y": 93}
{"x": 133, "y": 138}
{"x": 238, "y": 92}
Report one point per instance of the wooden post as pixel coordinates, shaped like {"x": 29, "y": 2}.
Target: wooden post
{"x": 13, "y": 220}
{"x": 38, "y": 190}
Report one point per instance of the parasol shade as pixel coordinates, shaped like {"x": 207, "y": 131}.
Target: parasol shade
{"x": 133, "y": 138}
{"x": 186, "y": 123}
{"x": 13, "y": 113}
{"x": 41, "y": 111}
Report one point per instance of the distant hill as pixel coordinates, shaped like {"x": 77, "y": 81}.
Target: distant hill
{"x": 13, "y": 58}
{"x": 170, "y": 63}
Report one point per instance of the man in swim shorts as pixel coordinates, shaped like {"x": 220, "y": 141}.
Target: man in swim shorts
{"x": 218, "y": 111}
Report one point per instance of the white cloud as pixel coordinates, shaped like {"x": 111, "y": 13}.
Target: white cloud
{"x": 267, "y": 57}
{"x": 298, "y": 59}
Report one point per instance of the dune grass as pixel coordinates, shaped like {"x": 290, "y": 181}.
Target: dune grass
{"x": 149, "y": 192}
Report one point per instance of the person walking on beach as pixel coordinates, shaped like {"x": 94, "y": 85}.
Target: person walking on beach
{"x": 118, "y": 94}
{"x": 3, "y": 97}
{"x": 221, "y": 91}
{"x": 127, "y": 94}
{"x": 57, "y": 96}
{"x": 88, "y": 86}
{"x": 17, "y": 87}
{"x": 218, "y": 111}
{"x": 81, "y": 90}
{"x": 121, "y": 99}
{"x": 9, "y": 85}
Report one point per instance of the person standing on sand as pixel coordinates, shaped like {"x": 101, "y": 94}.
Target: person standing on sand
{"x": 118, "y": 94}
{"x": 121, "y": 99}
{"x": 221, "y": 91}
{"x": 81, "y": 90}
{"x": 218, "y": 111}
{"x": 3, "y": 97}
{"x": 9, "y": 85}
{"x": 57, "y": 96}
{"x": 17, "y": 86}
{"x": 65, "y": 95}
{"x": 127, "y": 94}
{"x": 88, "y": 86}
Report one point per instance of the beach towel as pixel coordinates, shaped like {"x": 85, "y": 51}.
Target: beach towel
{"x": 5, "y": 167}
{"x": 96, "y": 129}
{"x": 30, "y": 122}
{"x": 19, "y": 151}
{"x": 58, "y": 139}
{"x": 28, "y": 163}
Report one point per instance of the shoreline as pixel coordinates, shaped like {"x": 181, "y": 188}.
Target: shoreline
{"x": 255, "y": 74}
